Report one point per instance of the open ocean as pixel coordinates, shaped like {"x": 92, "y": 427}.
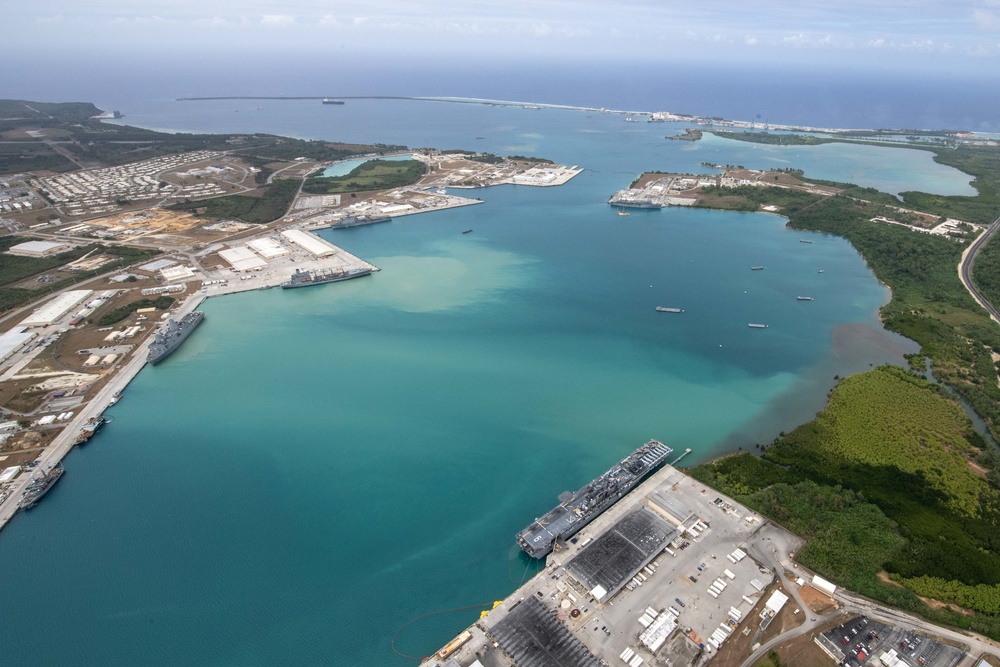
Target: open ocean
{"x": 314, "y": 469}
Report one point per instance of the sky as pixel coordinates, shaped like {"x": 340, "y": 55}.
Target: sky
{"x": 900, "y": 34}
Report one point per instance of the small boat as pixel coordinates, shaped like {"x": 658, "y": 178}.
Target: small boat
{"x": 623, "y": 212}
{"x": 757, "y": 268}
{"x": 661, "y": 309}
{"x": 804, "y": 298}
{"x": 820, "y": 271}
{"x": 804, "y": 241}
{"x": 757, "y": 326}
{"x": 467, "y": 231}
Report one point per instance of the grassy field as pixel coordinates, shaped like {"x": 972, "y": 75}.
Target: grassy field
{"x": 271, "y": 205}
{"x": 369, "y": 176}
{"x": 118, "y": 314}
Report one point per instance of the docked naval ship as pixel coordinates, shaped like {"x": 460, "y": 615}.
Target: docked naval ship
{"x": 171, "y": 335}
{"x": 576, "y": 510}
{"x": 40, "y": 487}
{"x": 306, "y": 278}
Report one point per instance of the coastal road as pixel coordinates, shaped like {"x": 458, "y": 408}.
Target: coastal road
{"x": 965, "y": 269}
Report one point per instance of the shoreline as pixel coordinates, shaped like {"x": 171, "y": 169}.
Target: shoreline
{"x": 63, "y": 443}
{"x": 654, "y": 116}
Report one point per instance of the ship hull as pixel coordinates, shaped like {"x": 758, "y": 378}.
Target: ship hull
{"x": 575, "y": 512}
{"x": 323, "y": 281}
{"x": 38, "y": 492}
{"x": 159, "y": 354}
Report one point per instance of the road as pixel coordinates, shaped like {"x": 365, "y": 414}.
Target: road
{"x": 769, "y": 550}
{"x": 965, "y": 269}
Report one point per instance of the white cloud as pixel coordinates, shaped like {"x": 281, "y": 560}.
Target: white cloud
{"x": 750, "y": 40}
{"x": 280, "y": 20}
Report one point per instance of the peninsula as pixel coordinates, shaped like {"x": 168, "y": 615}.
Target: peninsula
{"x": 114, "y": 232}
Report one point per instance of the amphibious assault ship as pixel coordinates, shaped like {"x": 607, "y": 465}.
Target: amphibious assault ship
{"x": 40, "y": 487}
{"x": 576, "y": 510}
{"x": 306, "y": 278}
{"x": 359, "y": 220}
{"x": 171, "y": 335}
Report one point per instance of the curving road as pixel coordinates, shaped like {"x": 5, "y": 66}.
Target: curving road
{"x": 965, "y": 269}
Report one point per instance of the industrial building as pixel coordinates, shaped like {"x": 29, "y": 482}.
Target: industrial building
{"x": 242, "y": 259}
{"x": 605, "y": 565}
{"x": 268, "y": 248}
{"x": 310, "y": 242}
{"x": 38, "y": 248}
{"x": 12, "y": 341}
{"x": 55, "y": 309}
{"x": 532, "y": 636}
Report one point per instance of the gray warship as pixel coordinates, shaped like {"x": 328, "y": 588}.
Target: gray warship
{"x": 306, "y": 278}
{"x": 576, "y": 510}
{"x": 40, "y": 487}
{"x": 171, "y": 335}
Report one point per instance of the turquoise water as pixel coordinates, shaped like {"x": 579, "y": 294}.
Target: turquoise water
{"x": 597, "y": 141}
{"x": 344, "y": 167}
{"x": 315, "y": 468}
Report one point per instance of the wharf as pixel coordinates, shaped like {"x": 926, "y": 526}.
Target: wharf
{"x": 108, "y": 395}
{"x": 587, "y": 601}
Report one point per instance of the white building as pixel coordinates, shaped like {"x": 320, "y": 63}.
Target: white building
{"x": 55, "y": 309}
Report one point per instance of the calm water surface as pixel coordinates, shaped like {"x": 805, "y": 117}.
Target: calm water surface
{"x": 314, "y": 468}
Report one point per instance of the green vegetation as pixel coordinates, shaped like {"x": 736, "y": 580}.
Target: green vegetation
{"x": 121, "y": 312}
{"x": 34, "y": 156}
{"x": 776, "y": 139}
{"x": 772, "y": 660}
{"x": 18, "y": 113}
{"x": 986, "y": 272}
{"x": 982, "y": 598}
{"x": 268, "y": 207}
{"x": 889, "y": 477}
{"x": 488, "y": 158}
{"x": 929, "y": 303}
{"x": 112, "y": 143}
{"x": 751, "y": 198}
{"x": 14, "y": 269}
{"x": 525, "y": 158}
{"x": 982, "y": 162}
{"x": 371, "y": 175}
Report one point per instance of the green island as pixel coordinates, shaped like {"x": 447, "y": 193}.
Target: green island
{"x": 369, "y": 176}
{"x": 776, "y": 139}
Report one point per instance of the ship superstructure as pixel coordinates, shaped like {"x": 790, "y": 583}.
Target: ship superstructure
{"x": 576, "y": 510}
{"x": 306, "y": 278}
{"x": 40, "y": 487}
{"x": 172, "y": 334}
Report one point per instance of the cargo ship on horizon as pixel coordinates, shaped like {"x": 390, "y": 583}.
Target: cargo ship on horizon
{"x": 171, "y": 335}
{"x": 330, "y": 100}
{"x": 576, "y": 510}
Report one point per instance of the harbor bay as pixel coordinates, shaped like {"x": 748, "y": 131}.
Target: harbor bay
{"x": 377, "y": 444}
